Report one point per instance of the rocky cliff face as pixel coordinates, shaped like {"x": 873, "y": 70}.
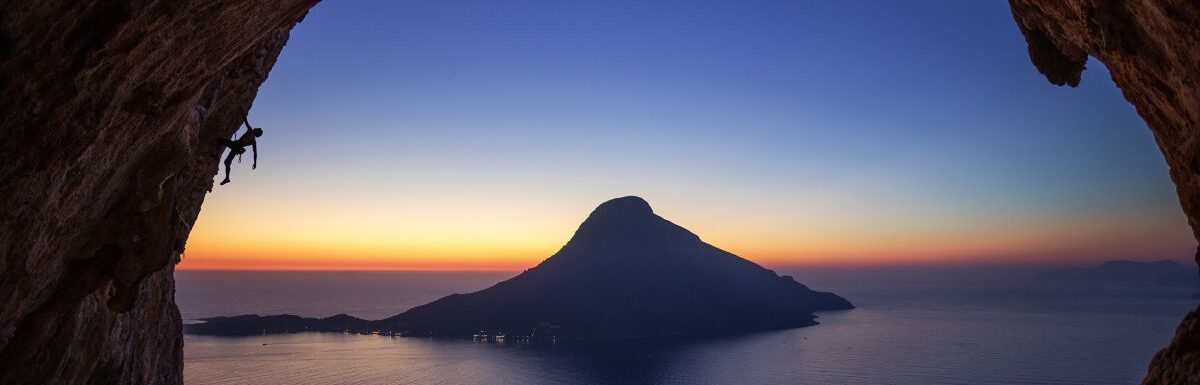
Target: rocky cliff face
{"x": 109, "y": 108}
{"x": 109, "y": 112}
{"x": 1152, "y": 49}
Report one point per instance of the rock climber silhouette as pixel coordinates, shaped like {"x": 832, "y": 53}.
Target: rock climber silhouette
{"x": 238, "y": 147}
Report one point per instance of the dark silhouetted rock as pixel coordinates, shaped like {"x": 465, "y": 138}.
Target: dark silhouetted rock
{"x": 108, "y": 109}
{"x": 1152, "y": 51}
{"x": 626, "y": 273}
{"x": 245, "y": 325}
{"x": 109, "y": 115}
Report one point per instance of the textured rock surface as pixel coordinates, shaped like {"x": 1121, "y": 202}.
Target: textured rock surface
{"x": 109, "y": 112}
{"x": 1152, "y": 49}
{"x": 108, "y": 109}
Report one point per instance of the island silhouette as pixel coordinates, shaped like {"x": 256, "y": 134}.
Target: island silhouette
{"x": 1126, "y": 273}
{"x": 626, "y": 273}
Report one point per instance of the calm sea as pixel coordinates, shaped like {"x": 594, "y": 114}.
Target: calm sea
{"x": 912, "y": 326}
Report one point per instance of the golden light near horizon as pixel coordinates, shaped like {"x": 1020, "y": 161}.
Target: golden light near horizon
{"x": 405, "y": 233}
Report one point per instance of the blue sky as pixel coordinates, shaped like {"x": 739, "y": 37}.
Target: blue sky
{"x": 791, "y": 131}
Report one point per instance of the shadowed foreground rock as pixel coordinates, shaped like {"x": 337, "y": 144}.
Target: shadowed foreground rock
{"x": 1152, "y": 50}
{"x": 109, "y": 111}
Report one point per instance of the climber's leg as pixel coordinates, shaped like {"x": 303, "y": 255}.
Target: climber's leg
{"x": 228, "y": 164}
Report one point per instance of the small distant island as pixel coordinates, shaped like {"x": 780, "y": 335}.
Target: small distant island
{"x": 626, "y": 273}
{"x": 1128, "y": 273}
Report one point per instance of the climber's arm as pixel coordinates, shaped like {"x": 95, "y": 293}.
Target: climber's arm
{"x": 254, "y": 147}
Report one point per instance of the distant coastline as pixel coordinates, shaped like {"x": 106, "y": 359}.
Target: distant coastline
{"x": 1127, "y": 273}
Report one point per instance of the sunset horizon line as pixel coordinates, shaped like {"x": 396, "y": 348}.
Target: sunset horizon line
{"x": 851, "y": 264}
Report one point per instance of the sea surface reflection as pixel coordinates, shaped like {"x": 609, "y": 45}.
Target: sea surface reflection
{"x": 902, "y": 333}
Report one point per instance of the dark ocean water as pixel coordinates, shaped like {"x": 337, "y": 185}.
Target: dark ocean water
{"x": 959, "y": 326}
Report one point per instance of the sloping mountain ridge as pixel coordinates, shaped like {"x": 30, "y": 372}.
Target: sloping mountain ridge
{"x": 629, "y": 273}
{"x": 626, "y": 273}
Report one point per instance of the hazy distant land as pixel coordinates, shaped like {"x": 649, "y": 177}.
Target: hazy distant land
{"x": 1127, "y": 273}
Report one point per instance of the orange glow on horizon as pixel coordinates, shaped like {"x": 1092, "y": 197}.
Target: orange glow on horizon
{"x": 1013, "y": 249}
{"x": 454, "y": 233}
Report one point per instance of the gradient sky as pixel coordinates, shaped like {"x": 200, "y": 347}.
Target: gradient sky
{"x": 478, "y": 134}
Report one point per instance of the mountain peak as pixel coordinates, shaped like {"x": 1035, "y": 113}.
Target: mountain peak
{"x": 625, "y": 205}
{"x": 626, "y": 273}
{"x": 627, "y": 218}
